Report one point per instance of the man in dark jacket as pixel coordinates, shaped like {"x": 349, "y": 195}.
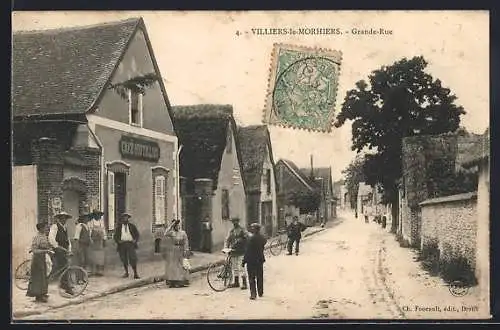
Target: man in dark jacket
{"x": 295, "y": 230}
{"x": 254, "y": 260}
{"x": 126, "y": 237}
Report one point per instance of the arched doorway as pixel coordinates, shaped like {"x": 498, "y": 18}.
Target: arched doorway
{"x": 75, "y": 191}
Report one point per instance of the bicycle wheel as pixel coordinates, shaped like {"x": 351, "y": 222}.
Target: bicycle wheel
{"x": 77, "y": 279}
{"x": 275, "y": 247}
{"x": 22, "y": 275}
{"x": 219, "y": 276}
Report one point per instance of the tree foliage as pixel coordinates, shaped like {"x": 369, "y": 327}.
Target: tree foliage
{"x": 307, "y": 202}
{"x": 400, "y": 100}
{"x": 137, "y": 84}
{"x": 353, "y": 175}
{"x": 444, "y": 181}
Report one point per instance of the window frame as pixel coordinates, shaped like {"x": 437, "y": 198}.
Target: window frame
{"x": 162, "y": 174}
{"x": 140, "y": 108}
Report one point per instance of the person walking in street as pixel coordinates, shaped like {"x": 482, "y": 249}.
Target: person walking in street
{"x": 295, "y": 230}
{"x": 97, "y": 243}
{"x": 38, "y": 285}
{"x": 254, "y": 260}
{"x": 206, "y": 235}
{"x": 177, "y": 250}
{"x": 82, "y": 240}
{"x": 126, "y": 237}
{"x": 59, "y": 239}
{"x": 236, "y": 240}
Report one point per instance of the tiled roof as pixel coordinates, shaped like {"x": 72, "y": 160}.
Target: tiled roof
{"x": 319, "y": 172}
{"x": 202, "y": 131}
{"x": 298, "y": 173}
{"x": 63, "y": 71}
{"x": 253, "y": 141}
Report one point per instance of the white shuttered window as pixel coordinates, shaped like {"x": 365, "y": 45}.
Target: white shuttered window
{"x": 111, "y": 200}
{"x": 159, "y": 199}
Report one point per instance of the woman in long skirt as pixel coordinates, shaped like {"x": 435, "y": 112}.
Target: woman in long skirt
{"x": 177, "y": 248}
{"x": 97, "y": 244}
{"x": 38, "y": 285}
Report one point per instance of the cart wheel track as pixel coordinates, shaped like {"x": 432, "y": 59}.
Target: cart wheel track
{"x": 375, "y": 279}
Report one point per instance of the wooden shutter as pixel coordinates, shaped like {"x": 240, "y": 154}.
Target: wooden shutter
{"x": 140, "y": 109}
{"x": 159, "y": 200}
{"x": 111, "y": 200}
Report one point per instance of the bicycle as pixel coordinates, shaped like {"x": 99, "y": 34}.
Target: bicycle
{"x": 77, "y": 277}
{"x": 277, "y": 244}
{"x": 219, "y": 276}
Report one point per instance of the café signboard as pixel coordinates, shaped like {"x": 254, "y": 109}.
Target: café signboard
{"x": 135, "y": 148}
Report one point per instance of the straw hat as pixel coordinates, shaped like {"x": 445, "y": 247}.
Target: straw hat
{"x": 63, "y": 214}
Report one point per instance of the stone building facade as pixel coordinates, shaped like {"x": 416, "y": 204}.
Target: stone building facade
{"x": 97, "y": 123}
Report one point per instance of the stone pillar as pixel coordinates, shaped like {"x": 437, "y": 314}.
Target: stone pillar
{"x": 92, "y": 173}
{"x": 47, "y": 156}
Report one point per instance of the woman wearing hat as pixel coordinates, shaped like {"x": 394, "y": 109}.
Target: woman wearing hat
{"x": 97, "y": 244}
{"x": 177, "y": 249}
{"x": 38, "y": 284}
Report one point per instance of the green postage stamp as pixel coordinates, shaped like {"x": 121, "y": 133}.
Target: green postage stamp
{"x": 302, "y": 87}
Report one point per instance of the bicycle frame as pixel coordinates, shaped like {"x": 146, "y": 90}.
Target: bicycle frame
{"x": 228, "y": 264}
{"x": 57, "y": 274}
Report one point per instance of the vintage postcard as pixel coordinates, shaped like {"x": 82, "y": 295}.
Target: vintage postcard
{"x": 251, "y": 165}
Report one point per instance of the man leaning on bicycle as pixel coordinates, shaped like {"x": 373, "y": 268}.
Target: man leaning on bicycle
{"x": 236, "y": 241}
{"x": 59, "y": 239}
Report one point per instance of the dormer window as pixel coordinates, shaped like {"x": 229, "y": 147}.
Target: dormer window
{"x": 135, "y": 108}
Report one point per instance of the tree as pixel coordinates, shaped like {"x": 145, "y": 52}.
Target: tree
{"x": 353, "y": 175}
{"x": 400, "y": 100}
{"x": 307, "y": 202}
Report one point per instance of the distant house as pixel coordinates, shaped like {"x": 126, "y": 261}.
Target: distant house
{"x": 92, "y": 119}
{"x": 340, "y": 192}
{"x": 321, "y": 179}
{"x": 259, "y": 176}
{"x": 211, "y": 170}
{"x": 291, "y": 181}
{"x": 365, "y": 196}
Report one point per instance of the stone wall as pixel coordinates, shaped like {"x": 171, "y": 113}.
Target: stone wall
{"x": 452, "y": 222}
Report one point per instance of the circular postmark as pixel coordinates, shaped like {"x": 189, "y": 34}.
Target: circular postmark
{"x": 305, "y": 91}
{"x": 458, "y": 288}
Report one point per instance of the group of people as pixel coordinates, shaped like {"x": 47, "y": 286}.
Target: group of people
{"x": 89, "y": 241}
{"x": 247, "y": 249}
{"x": 52, "y": 245}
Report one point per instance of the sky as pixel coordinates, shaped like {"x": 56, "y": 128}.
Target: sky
{"x": 203, "y": 60}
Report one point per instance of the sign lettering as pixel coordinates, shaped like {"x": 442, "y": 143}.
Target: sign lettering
{"x": 135, "y": 148}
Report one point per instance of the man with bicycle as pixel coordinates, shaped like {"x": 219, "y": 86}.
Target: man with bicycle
{"x": 295, "y": 230}
{"x": 59, "y": 239}
{"x": 236, "y": 240}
